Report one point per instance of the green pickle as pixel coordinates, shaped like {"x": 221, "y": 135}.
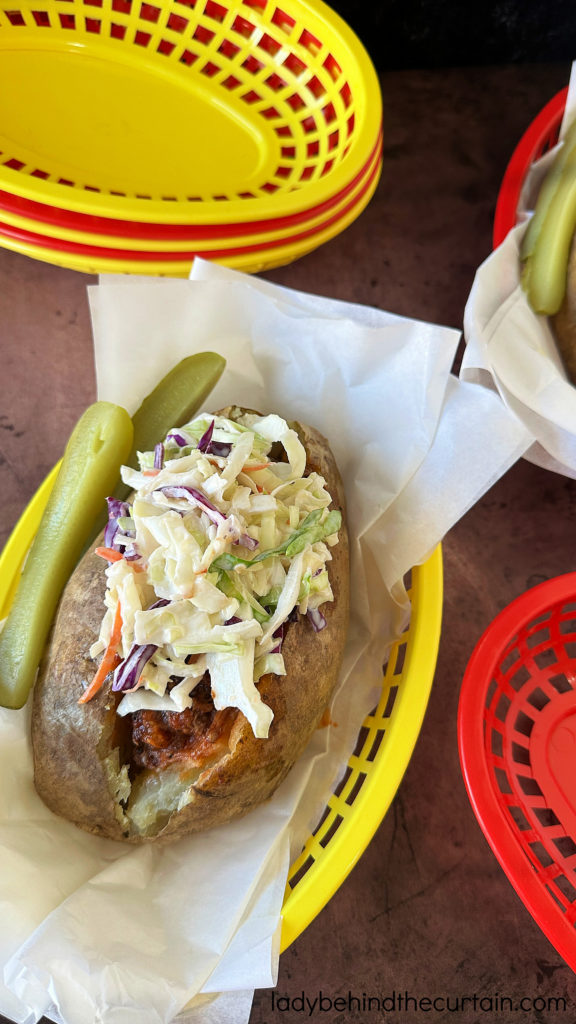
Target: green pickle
{"x": 545, "y": 248}
{"x": 99, "y": 443}
{"x": 103, "y": 439}
{"x": 549, "y": 261}
{"x": 546, "y": 194}
{"x": 174, "y": 401}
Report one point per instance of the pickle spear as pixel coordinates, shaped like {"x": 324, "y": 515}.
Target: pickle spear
{"x": 547, "y": 193}
{"x": 99, "y": 443}
{"x": 104, "y": 439}
{"x": 549, "y": 261}
{"x": 546, "y": 245}
{"x": 173, "y": 402}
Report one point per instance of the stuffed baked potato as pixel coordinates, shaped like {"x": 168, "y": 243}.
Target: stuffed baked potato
{"x": 125, "y": 764}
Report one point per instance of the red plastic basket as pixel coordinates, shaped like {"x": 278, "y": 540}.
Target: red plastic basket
{"x": 539, "y": 137}
{"x": 517, "y": 741}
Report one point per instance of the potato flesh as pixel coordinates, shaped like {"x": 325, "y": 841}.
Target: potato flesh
{"x": 145, "y": 801}
{"x": 154, "y": 797}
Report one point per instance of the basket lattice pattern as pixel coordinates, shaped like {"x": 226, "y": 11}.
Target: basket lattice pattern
{"x": 370, "y": 745}
{"x": 254, "y": 51}
{"x": 537, "y": 666}
{"x": 383, "y": 746}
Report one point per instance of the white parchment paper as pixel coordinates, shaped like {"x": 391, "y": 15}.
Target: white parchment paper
{"x": 93, "y": 931}
{"x": 511, "y": 350}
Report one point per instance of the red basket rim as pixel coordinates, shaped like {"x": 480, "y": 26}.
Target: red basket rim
{"x": 61, "y": 245}
{"x": 471, "y": 745}
{"x": 527, "y": 150}
{"x": 64, "y": 218}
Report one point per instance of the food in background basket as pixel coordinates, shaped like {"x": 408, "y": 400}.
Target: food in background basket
{"x": 548, "y": 253}
{"x": 225, "y": 613}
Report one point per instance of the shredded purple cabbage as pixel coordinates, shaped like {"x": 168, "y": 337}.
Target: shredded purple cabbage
{"x": 210, "y": 447}
{"x": 246, "y": 541}
{"x": 179, "y": 491}
{"x": 316, "y": 619}
{"x": 179, "y": 438}
{"x": 204, "y": 442}
{"x": 110, "y": 533}
{"x": 128, "y": 671}
{"x": 116, "y": 509}
{"x": 130, "y": 553}
{"x": 221, "y": 448}
{"x": 159, "y": 456}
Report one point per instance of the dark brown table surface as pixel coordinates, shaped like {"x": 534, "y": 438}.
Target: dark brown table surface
{"x": 427, "y": 911}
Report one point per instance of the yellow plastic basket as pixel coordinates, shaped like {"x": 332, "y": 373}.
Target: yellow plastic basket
{"x": 383, "y": 749}
{"x": 333, "y": 220}
{"x": 244, "y": 254}
{"x": 250, "y": 260}
{"x": 182, "y": 111}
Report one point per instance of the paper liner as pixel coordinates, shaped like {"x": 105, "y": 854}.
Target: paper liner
{"x": 94, "y": 931}
{"x": 511, "y": 350}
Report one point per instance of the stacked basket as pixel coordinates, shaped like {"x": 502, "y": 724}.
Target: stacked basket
{"x": 135, "y": 135}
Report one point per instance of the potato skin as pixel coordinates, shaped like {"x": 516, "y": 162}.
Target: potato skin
{"x": 70, "y": 740}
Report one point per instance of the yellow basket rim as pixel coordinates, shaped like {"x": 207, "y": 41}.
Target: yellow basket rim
{"x": 309, "y": 195}
{"x": 249, "y": 262}
{"x": 311, "y": 227}
{"x": 303, "y": 903}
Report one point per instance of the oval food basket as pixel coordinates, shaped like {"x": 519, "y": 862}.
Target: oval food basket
{"x": 517, "y": 738}
{"x": 172, "y": 111}
{"x": 383, "y": 748}
{"x": 249, "y": 256}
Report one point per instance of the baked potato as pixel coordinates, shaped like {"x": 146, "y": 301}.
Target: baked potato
{"x": 142, "y": 774}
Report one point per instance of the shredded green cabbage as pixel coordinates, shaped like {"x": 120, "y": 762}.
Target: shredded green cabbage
{"x": 222, "y": 562}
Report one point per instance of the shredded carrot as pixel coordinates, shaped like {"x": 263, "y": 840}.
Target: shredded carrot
{"x": 109, "y": 661}
{"x": 252, "y": 469}
{"x": 108, "y": 553}
{"x": 150, "y": 472}
{"x": 115, "y": 556}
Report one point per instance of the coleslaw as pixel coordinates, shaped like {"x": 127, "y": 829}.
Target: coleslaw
{"x": 224, "y": 541}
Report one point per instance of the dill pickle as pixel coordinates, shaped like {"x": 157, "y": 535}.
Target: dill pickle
{"x": 173, "y": 402}
{"x": 545, "y": 248}
{"x": 99, "y": 443}
{"x": 104, "y": 439}
{"x": 549, "y": 260}
{"x": 547, "y": 192}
